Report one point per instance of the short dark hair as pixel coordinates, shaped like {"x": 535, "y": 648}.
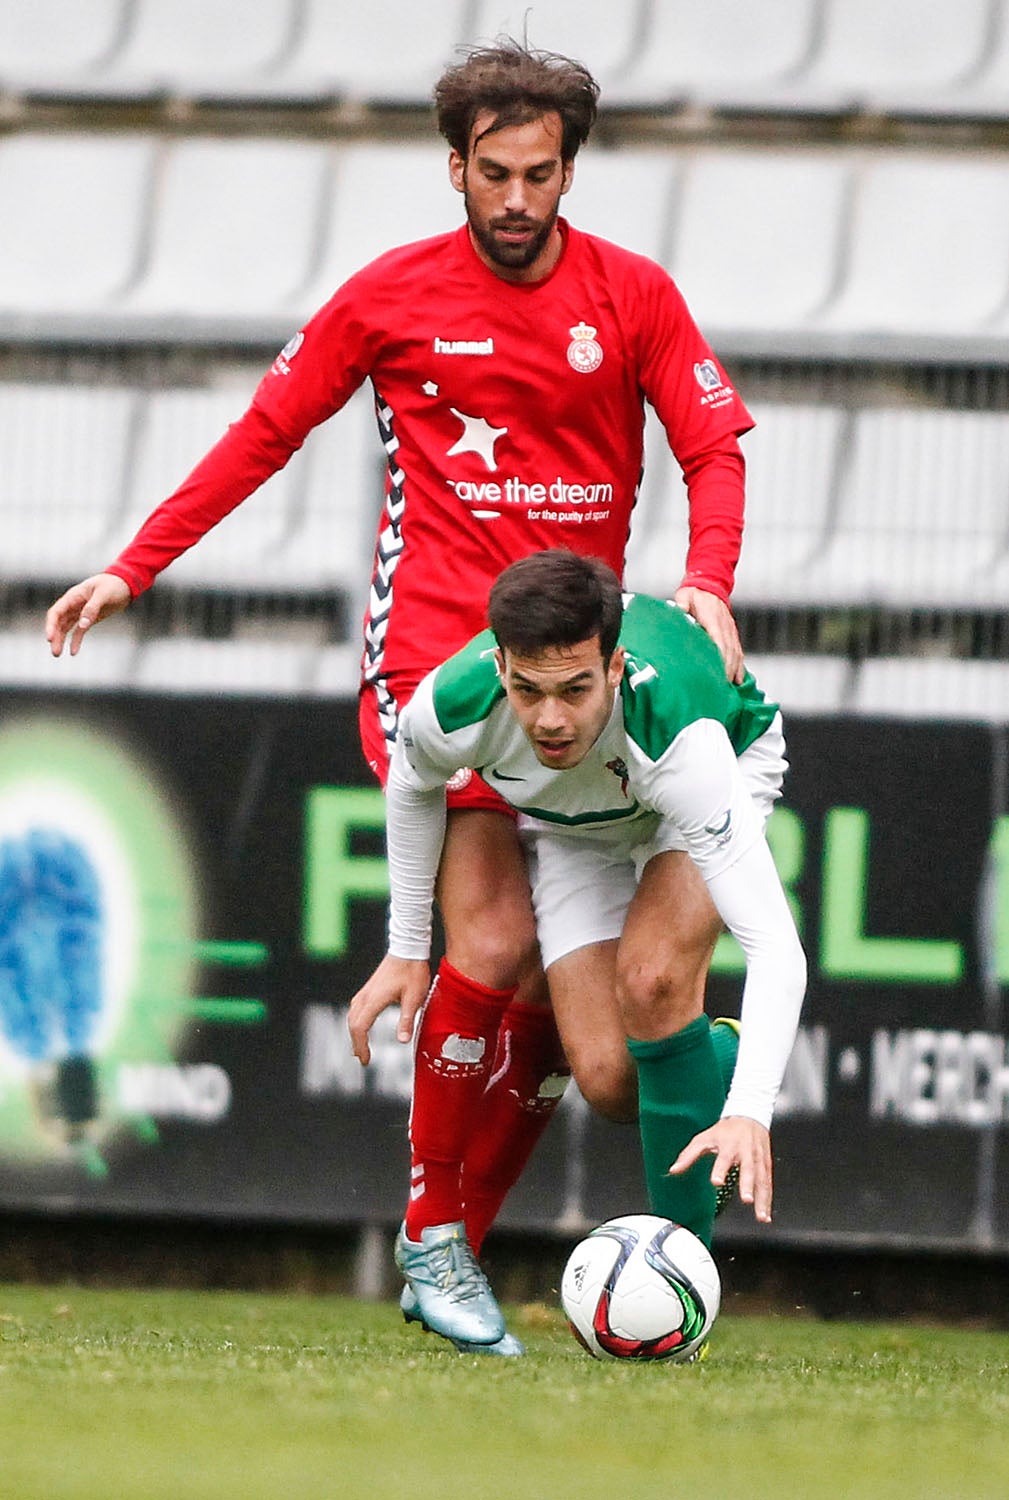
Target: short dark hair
{"x": 518, "y": 84}
{"x": 556, "y": 598}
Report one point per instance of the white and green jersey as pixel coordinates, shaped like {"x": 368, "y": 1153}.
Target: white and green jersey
{"x": 668, "y": 755}
{"x": 676, "y": 722}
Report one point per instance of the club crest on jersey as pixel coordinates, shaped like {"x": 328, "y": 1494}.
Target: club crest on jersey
{"x": 459, "y": 780}
{"x": 584, "y": 353}
{"x": 619, "y": 769}
{"x": 282, "y": 363}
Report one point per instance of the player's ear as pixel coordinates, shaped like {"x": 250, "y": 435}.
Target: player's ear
{"x": 457, "y": 170}
{"x": 499, "y": 662}
{"x": 567, "y": 175}
{"x": 615, "y": 670}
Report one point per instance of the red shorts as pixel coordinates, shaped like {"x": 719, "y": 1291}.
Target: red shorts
{"x": 465, "y": 790}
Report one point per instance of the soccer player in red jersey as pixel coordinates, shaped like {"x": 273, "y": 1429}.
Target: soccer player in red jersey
{"x": 510, "y": 360}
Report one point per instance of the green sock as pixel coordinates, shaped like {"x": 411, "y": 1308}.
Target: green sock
{"x": 725, "y": 1040}
{"x": 680, "y": 1092}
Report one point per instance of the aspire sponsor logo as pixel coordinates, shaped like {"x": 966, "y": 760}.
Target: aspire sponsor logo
{"x": 707, "y": 375}
{"x": 717, "y": 391}
{"x": 282, "y": 364}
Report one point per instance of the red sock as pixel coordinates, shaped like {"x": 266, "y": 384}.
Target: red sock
{"x": 529, "y": 1078}
{"x": 456, "y": 1043}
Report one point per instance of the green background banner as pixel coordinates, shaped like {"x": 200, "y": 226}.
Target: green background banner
{"x": 191, "y": 890}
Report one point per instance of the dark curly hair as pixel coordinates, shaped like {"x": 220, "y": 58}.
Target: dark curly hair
{"x": 517, "y": 84}
{"x": 556, "y": 598}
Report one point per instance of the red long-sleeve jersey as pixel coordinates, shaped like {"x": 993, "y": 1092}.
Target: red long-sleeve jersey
{"x": 512, "y": 416}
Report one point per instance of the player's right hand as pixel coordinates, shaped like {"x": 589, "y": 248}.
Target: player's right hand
{"x": 736, "y": 1140}
{"x": 83, "y": 606}
{"x": 397, "y": 981}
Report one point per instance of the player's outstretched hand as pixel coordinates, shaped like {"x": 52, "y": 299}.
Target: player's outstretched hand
{"x": 736, "y": 1141}
{"x": 83, "y": 606}
{"x": 397, "y": 981}
{"x": 716, "y": 617}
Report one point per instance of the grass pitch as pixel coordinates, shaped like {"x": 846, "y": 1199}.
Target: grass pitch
{"x": 126, "y": 1395}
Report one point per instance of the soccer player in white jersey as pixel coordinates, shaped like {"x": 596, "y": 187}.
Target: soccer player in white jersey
{"x": 510, "y": 360}
{"x": 608, "y": 723}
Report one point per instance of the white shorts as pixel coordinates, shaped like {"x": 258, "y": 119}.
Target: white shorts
{"x": 583, "y": 884}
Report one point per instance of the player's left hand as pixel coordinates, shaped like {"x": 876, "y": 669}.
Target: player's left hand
{"x": 397, "y": 981}
{"x": 716, "y": 618}
{"x": 736, "y": 1141}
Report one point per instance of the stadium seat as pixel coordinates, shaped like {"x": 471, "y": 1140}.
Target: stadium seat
{"x": 332, "y": 541}
{"x": 106, "y": 661}
{"x": 66, "y": 454}
{"x": 336, "y": 671}
{"x": 933, "y": 688}
{"x": 48, "y": 46}
{"x": 921, "y": 511}
{"x": 991, "y": 587}
{"x": 177, "y": 428}
{"x": 804, "y": 684}
{"x": 657, "y": 548}
{"x": 725, "y": 53}
{"x": 872, "y": 56}
{"x": 626, "y": 195}
{"x": 381, "y": 53}
{"x": 235, "y": 231}
{"x": 187, "y": 664}
{"x": 792, "y": 464}
{"x": 383, "y": 194}
{"x": 979, "y": 92}
{"x": 194, "y": 49}
{"x": 73, "y": 208}
{"x": 929, "y": 250}
{"x": 792, "y": 459}
{"x": 606, "y": 37}
{"x": 758, "y": 240}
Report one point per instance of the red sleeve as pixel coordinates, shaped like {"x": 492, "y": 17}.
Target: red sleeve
{"x": 715, "y": 486}
{"x": 248, "y": 453}
{"x": 703, "y": 415}
{"x": 309, "y": 380}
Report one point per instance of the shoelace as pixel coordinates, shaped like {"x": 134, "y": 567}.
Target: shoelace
{"x": 453, "y": 1267}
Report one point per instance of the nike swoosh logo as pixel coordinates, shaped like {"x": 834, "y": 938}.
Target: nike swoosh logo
{"x": 500, "y": 776}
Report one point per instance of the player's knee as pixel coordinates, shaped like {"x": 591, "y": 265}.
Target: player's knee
{"x": 658, "y": 998}
{"x": 608, "y": 1084}
{"x": 498, "y": 954}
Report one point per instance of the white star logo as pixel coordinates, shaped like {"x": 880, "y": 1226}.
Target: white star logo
{"x": 429, "y": 388}
{"x": 478, "y": 437}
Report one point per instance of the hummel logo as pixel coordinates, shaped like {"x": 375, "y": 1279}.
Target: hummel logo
{"x": 500, "y": 776}
{"x": 463, "y": 346}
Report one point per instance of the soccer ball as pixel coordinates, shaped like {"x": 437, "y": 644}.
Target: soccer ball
{"x": 641, "y": 1287}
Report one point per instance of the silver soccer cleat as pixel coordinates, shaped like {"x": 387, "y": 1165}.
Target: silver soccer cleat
{"x": 507, "y": 1346}
{"x": 453, "y": 1296}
